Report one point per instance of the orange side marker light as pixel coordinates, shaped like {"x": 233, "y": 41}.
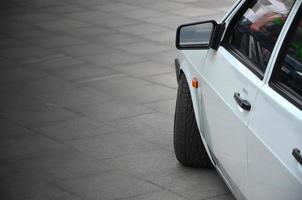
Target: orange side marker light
{"x": 194, "y": 83}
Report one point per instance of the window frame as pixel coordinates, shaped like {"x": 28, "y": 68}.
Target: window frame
{"x": 226, "y": 41}
{"x": 276, "y": 85}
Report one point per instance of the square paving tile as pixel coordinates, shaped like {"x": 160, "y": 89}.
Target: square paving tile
{"x": 193, "y": 12}
{"x": 117, "y": 8}
{"x": 142, "y": 29}
{"x": 116, "y": 21}
{"x": 74, "y": 97}
{"x": 27, "y": 144}
{"x": 115, "y": 39}
{"x": 166, "y": 79}
{"x": 76, "y": 129}
{"x": 64, "y": 164}
{"x": 31, "y": 34}
{"x": 110, "y": 110}
{"x": 113, "y": 145}
{"x": 6, "y": 42}
{"x": 91, "y": 31}
{"x": 82, "y": 50}
{"x": 80, "y": 72}
{"x": 156, "y": 122}
{"x": 23, "y": 185}
{"x": 148, "y": 164}
{"x": 35, "y": 17}
{"x": 53, "y": 61}
{"x": 61, "y": 25}
{"x": 47, "y": 84}
{"x": 142, "y": 13}
{"x": 116, "y": 58}
{"x": 24, "y": 53}
{"x": 163, "y": 194}
{"x": 187, "y": 181}
{"x": 131, "y": 89}
{"x": 143, "y": 69}
{"x": 145, "y": 48}
{"x": 21, "y": 75}
{"x": 165, "y": 106}
{"x": 36, "y": 117}
{"x": 56, "y": 41}
{"x": 108, "y": 185}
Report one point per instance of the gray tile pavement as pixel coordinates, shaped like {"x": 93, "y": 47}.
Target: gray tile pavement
{"x": 87, "y": 100}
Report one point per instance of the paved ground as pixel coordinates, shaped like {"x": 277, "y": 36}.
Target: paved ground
{"x": 87, "y": 100}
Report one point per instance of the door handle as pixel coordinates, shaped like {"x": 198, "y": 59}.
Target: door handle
{"x": 243, "y": 103}
{"x": 297, "y": 155}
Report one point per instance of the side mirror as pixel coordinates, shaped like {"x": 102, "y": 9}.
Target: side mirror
{"x": 200, "y": 35}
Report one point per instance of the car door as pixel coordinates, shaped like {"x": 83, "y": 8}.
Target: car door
{"x": 231, "y": 78}
{"x": 275, "y": 127}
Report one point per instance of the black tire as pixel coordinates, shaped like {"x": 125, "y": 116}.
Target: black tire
{"x": 188, "y": 146}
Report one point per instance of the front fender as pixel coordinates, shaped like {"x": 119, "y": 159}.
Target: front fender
{"x": 189, "y": 73}
{"x": 186, "y": 69}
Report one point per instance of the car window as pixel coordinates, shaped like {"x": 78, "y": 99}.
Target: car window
{"x": 255, "y": 34}
{"x": 288, "y": 73}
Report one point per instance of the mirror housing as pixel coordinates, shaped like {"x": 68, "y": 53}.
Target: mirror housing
{"x": 199, "y": 35}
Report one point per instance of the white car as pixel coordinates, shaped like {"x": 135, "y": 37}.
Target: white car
{"x": 239, "y": 98}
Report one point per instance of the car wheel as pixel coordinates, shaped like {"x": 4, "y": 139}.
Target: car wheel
{"x": 188, "y": 146}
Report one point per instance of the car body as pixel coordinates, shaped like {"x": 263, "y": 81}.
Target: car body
{"x": 248, "y": 101}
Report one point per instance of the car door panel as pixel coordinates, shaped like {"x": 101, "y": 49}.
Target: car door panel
{"x": 274, "y": 130}
{"x": 276, "y": 123}
{"x": 223, "y": 75}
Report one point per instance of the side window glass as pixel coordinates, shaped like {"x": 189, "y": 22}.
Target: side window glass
{"x": 288, "y": 75}
{"x": 255, "y": 34}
